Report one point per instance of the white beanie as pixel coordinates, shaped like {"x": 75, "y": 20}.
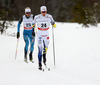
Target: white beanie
{"x": 43, "y": 8}
{"x": 27, "y": 10}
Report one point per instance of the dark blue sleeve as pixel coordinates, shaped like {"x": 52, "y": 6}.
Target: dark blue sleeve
{"x": 19, "y": 23}
{"x": 21, "y": 19}
{"x": 33, "y": 27}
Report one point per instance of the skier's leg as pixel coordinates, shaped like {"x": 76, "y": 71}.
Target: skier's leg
{"x": 26, "y": 46}
{"x": 32, "y": 40}
{"x": 40, "y": 42}
{"x": 45, "y": 43}
{"x": 44, "y": 52}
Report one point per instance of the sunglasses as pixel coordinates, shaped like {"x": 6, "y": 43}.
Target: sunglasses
{"x": 28, "y": 12}
{"x": 43, "y": 12}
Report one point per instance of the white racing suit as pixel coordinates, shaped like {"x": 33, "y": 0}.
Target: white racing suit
{"x": 43, "y": 24}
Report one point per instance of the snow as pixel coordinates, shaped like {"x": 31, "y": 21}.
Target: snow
{"x": 77, "y": 52}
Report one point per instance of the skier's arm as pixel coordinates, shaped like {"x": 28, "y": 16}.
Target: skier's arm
{"x": 33, "y": 31}
{"x": 19, "y": 23}
{"x": 33, "y": 27}
{"x": 35, "y": 18}
{"x": 54, "y": 25}
{"x": 18, "y": 27}
{"x": 53, "y": 22}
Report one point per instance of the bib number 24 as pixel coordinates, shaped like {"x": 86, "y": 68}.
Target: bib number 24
{"x": 43, "y": 25}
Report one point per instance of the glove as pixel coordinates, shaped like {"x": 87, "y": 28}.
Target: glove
{"x": 33, "y": 34}
{"x": 54, "y": 25}
{"x": 18, "y": 35}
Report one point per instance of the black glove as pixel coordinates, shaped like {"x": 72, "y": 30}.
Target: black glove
{"x": 33, "y": 34}
{"x": 18, "y": 35}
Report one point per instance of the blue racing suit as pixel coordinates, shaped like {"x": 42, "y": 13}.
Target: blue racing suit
{"x": 27, "y": 32}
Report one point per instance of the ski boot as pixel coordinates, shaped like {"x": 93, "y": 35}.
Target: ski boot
{"x": 30, "y": 57}
{"x": 40, "y": 66}
{"x": 25, "y": 57}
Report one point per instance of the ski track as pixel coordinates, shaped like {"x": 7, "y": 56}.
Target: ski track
{"x": 77, "y": 52}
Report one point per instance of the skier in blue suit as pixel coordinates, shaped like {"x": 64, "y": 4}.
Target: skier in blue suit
{"x": 28, "y": 33}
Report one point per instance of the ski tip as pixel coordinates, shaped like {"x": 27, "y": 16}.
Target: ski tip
{"x": 42, "y": 69}
{"x": 48, "y": 69}
{"x": 31, "y": 61}
{"x": 25, "y": 61}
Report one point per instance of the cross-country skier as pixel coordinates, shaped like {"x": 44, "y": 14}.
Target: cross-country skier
{"x": 28, "y": 33}
{"x": 43, "y": 21}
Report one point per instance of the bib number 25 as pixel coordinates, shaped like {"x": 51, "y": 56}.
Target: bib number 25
{"x": 28, "y": 24}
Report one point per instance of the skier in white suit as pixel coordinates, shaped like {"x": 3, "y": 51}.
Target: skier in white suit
{"x": 43, "y": 21}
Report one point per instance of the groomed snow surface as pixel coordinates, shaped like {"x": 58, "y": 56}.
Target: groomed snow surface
{"x": 77, "y": 55}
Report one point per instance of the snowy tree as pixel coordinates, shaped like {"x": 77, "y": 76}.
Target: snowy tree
{"x": 6, "y": 14}
{"x": 86, "y": 15}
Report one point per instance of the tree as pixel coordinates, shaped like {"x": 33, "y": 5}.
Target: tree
{"x": 96, "y": 10}
{"x": 84, "y": 14}
{"x": 4, "y": 16}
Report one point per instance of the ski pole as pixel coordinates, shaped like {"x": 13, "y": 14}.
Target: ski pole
{"x": 53, "y": 45}
{"x": 16, "y": 49}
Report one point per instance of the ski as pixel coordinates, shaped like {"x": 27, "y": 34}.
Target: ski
{"x": 47, "y": 67}
{"x": 32, "y": 61}
{"x": 25, "y": 61}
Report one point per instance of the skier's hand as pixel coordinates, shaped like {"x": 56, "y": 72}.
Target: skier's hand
{"x": 54, "y": 25}
{"x": 33, "y": 34}
{"x": 18, "y": 35}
